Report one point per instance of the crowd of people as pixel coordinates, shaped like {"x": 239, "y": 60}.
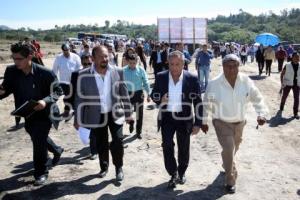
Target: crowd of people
{"x": 264, "y": 56}
{"x": 101, "y": 96}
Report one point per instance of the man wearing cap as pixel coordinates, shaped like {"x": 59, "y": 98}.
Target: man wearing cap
{"x": 86, "y": 62}
{"x": 64, "y": 64}
{"x": 227, "y": 97}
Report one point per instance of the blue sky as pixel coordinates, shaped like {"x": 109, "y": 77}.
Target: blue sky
{"x": 46, "y": 14}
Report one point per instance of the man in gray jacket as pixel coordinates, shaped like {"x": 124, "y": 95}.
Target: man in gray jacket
{"x": 102, "y": 102}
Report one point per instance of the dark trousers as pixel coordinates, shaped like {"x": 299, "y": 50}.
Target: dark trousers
{"x": 93, "y": 143}
{"x": 103, "y": 146}
{"x": 158, "y": 67}
{"x": 260, "y": 66}
{"x": 144, "y": 64}
{"x": 42, "y": 143}
{"x": 280, "y": 64}
{"x": 169, "y": 126}
{"x": 66, "y": 89}
{"x": 137, "y": 101}
{"x": 243, "y": 59}
{"x": 17, "y": 120}
{"x": 268, "y": 67}
{"x": 286, "y": 91}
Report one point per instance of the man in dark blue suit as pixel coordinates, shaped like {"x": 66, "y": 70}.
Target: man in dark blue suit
{"x": 176, "y": 91}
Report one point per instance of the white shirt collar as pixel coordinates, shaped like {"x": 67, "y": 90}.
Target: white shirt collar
{"x": 93, "y": 69}
{"x": 180, "y": 77}
{"x": 226, "y": 81}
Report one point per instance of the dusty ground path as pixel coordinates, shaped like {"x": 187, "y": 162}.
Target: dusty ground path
{"x": 268, "y": 160}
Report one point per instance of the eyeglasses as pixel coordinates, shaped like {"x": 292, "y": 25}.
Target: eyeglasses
{"x": 17, "y": 59}
{"x": 86, "y": 64}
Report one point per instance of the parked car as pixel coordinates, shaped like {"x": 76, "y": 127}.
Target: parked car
{"x": 284, "y": 44}
{"x": 110, "y": 42}
{"x": 74, "y": 41}
{"x": 296, "y": 47}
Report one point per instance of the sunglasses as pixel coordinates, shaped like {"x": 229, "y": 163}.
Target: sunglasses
{"x": 86, "y": 64}
{"x": 17, "y": 59}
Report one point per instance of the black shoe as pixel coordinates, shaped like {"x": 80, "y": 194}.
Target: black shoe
{"x": 119, "y": 174}
{"x": 172, "y": 182}
{"x": 56, "y": 158}
{"x": 93, "y": 156}
{"x": 103, "y": 173}
{"x": 138, "y": 136}
{"x": 296, "y": 116}
{"x": 281, "y": 108}
{"x": 181, "y": 179}
{"x": 17, "y": 125}
{"x": 230, "y": 189}
{"x": 131, "y": 126}
{"x": 41, "y": 180}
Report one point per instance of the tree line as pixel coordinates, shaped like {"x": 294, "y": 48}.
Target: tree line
{"x": 241, "y": 28}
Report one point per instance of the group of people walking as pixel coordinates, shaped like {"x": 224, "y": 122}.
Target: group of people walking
{"x": 104, "y": 96}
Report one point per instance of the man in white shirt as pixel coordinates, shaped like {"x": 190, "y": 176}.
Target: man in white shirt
{"x": 177, "y": 92}
{"x": 64, "y": 64}
{"x": 227, "y": 97}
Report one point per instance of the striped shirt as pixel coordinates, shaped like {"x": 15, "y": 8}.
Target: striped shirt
{"x": 136, "y": 79}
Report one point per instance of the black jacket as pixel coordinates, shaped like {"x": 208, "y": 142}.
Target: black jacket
{"x": 47, "y": 89}
{"x": 153, "y": 58}
{"x": 191, "y": 96}
{"x": 259, "y": 55}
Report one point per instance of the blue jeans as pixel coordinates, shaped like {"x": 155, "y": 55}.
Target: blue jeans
{"x": 203, "y": 73}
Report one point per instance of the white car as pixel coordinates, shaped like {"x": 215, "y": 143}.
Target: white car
{"x": 110, "y": 42}
{"x": 74, "y": 41}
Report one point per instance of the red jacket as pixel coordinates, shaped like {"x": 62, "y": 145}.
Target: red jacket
{"x": 281, "y": 54}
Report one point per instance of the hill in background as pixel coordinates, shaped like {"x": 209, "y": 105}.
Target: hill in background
{"x": 241, "y": 28}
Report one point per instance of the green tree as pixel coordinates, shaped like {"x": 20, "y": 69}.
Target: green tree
{"x": 107, "y": 24}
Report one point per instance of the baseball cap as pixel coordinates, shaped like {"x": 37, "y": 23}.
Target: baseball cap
{"x": 85, "y": 55}
{"x": 65, "y": 47}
